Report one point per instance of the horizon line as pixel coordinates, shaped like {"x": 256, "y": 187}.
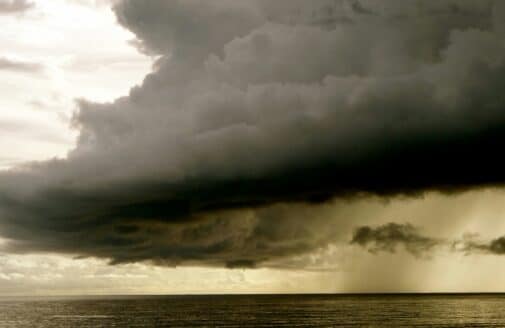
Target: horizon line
{"x": 261, "y": 294}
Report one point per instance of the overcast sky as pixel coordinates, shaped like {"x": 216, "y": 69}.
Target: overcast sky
{"x": 227, "y": 146}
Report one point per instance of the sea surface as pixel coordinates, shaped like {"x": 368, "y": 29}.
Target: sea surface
{"x": 257, "y": 311}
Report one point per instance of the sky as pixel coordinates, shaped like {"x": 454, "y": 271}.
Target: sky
{"x": 252, "y": 146}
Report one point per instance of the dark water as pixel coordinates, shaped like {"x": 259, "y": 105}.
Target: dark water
{"x": 257, "y": 311}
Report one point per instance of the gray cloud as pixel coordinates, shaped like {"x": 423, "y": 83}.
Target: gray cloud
{"x": 19, "y": 66}
{"x": 388, "y": 237}
{"x": 241, "y": 238}
{"x": 14, "y": 6}
{"x": 469, "y": 244}
{"x": 258, "y": 104}
{"x": 391, "y": 236}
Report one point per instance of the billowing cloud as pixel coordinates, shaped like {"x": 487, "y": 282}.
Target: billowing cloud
{"x": 258, "y": 104}
{"x": 14, "y": 6}
{"x": 388, "y": 237}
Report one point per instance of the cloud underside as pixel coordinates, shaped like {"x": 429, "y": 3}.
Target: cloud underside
{"x": 259, "y": 105}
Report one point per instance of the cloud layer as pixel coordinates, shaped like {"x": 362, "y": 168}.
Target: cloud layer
{"x": 257, "y": 103}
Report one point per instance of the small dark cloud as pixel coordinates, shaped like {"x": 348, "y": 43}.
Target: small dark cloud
{"x": 7, "y": 64}
{"x": 388, "y": 237}
{"x": 470, "y": 244}
{"x": 8, "y": 7}
{"x": 358, "y": 8}
{"x": 497, "y": 246}
{"x": 391, "y": 236}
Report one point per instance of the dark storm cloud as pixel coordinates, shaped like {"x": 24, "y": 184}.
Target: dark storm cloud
{"x": 234, "y": 239}
{"x": 256, "y": 103}
{"x": 388, "y": 237}
{"x": 14, "y": 6}
{"x": 7, "y": 64}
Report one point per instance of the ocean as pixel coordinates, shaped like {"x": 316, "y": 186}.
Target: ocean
{"x": 404, "y": 310}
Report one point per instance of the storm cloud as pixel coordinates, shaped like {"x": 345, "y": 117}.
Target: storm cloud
{"x": 258, "y": 105}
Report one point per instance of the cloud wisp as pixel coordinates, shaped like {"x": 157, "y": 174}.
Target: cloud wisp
{"x": 8, "y": 7}
{"x": 7, "y": 64}
{"x": 257, "y": 103}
